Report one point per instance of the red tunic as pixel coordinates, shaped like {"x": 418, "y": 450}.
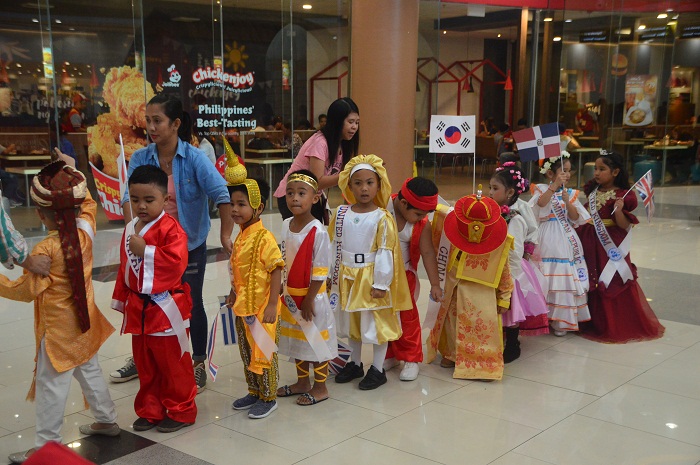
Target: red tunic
{"x": 161, "y": 269}
{"x": 619, "y": 313}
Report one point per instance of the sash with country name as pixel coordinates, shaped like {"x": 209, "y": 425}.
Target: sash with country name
{"x": 571, "y": 237}
{"x": 616, "y": 255}
{"x": 442, "y": 251}
{"x": 337, "y": 233}
{"x": 297, "y": 283}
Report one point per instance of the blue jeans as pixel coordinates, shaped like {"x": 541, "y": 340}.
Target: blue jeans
{"x": 194, "y": 276}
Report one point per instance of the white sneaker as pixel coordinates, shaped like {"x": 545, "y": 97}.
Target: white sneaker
{"x": 559, "y": 333}
{"x": 390, "y": 363}
{"x": 409, "y": 372}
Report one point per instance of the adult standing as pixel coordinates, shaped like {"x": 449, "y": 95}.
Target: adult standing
{"x": 326, "y": 153}
{"x": 192, "y": 179}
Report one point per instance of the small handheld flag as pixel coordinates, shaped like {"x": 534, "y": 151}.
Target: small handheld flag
{"x": 645, "y": 187}
{"x": 538, "y": 143}
{"x": 228, "y": 320}
{"x": 121, "y": 167}
{"x": 452, "y": 134}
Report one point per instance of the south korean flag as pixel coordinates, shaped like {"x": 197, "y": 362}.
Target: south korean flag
{"x": 452, "y": 134}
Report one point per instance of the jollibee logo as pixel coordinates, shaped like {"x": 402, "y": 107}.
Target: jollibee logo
{"x": 174, "y": 74}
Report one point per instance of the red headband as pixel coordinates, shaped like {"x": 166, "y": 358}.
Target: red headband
{"x": 427, "y": 203}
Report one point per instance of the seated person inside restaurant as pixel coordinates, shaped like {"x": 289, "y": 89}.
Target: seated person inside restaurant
{"x": 680, "y": 161}
{"x": 259, "y": 140}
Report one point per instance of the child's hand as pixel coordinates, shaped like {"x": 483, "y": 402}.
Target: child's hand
{"x": 307, "y": 309}
{"x": 436, "y": 293}
{"x": 231, "y": 299}
{"x": 377, "y": 293}
{"x": 619, "y": 204}
{"x": 565, "y": 195}
{"x": 137, "y": 245}
{"x": 270, "y": 315}
{"x": 560, "y": 180}
{"x": 501, "y": 310}
{"x": 37, "y": 264}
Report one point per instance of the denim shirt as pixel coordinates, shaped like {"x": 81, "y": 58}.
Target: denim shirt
{"x": 195, "y": 179}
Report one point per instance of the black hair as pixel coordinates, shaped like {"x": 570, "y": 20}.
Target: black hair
{"x": 558, "y": 163}
{"x": 562, "y": 128}
{"x": 150, "y": 174}
{"x": 333, "y": 130}
{"x": 422, "y": 187}
{"x": 262, "y": 185}
{"x": 172, "y": 107}
{"x": 522, "y": 122}
{"x": 322, "y": 115}
{"x": 503, "y": 127}
{"x": 612, "y": 160}
{"x": 508, "y": 176}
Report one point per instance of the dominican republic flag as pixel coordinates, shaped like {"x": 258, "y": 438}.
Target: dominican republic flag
{"x": 452, "y": 134}
{"x": 337, "y": 364}
{"x": 538, "y": 143}
{"x": 645, "y": 187}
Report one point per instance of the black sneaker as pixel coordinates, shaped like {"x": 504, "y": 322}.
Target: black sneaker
{"x": 142, "y": 424}
{"x": 349, "y": 372}
{"x": 200, "y": 376}
{"x": 125, "y": 373}
{"x": 373, "y": 380}
{"x": 168, "y": 425}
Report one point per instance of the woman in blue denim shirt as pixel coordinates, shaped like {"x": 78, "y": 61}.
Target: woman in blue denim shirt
{"x": 192, "y": 179}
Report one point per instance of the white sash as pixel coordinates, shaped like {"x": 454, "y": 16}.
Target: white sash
{"x": 335, "y": 272}
{"x": 572, "y": 238}
{"x": 260, "y": 336}
{"x": 617, "y": 262}
{"x": 167, "y": 304}
{"x": 311, "y": 332}
{"x": 443, "y": 258}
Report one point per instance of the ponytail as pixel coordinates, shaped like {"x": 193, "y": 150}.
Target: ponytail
{"x": 172, "y": 108}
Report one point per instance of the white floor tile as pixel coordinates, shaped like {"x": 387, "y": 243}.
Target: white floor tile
{"x": 444, "y": 434}
{"x": 580, "y": 440}
{"x": 655, "y": 412}
{"x": 519, "y": 401}
{"x": 672, "y": 376}
{"x": 356, "y": 451}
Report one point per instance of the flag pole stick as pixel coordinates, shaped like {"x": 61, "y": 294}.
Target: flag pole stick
{"x": 126, "y": 186}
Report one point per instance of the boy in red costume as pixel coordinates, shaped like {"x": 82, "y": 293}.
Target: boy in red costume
{"x": 410, "y": 207}
{"x": 156, "y": 305}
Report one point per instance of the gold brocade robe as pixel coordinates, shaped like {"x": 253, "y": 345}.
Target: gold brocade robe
{"x": 356, "y": 282}
{"x": 468, "y": 327}
{"x": 55, "y": 316}
{"x": 255, "y": 256}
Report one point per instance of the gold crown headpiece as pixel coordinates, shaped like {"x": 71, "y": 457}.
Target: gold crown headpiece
{"x": 236, "y": 174}
{"x": 306, "y": 179}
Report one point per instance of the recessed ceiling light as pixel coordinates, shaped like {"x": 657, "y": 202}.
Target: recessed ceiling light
{"x": 641, "y": 27}
{"x": 499, "y": 35}
{"x": 444, "y": 32}
{"x": 557, "y": 39}
{"x": 672, "y": 23}
{"x": 568, "y": 20}
{"x": 306, "y": 6}
{"x": 185, "y": 19}
{"x": 71, "y": 29}
{"x": 58, "y": 21}
{"x": 662, "y": 16}
{"x": 34, "y": 20}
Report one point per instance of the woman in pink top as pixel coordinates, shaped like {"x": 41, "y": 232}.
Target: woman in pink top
{"x": 326, "y": 152}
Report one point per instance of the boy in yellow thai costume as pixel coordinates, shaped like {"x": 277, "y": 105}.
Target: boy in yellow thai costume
{"x": 478, "y": 286}
{"x": 256, "y": 280}
{"x": 368, "y": 280}
{"x": 68, "y": 327}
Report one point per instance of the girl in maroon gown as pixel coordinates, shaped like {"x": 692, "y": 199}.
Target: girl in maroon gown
{"x": 619, "y": 310}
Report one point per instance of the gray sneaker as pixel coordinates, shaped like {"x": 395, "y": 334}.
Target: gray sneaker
{"x": 261, "y": 409}
{"x": 200, "y": 377}
{"x": 125, "y": 373}
{"x": 244, "y": 403}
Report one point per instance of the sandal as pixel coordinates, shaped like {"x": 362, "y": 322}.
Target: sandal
{"x": 446, "y": 363}
{"x": 310, "y": 398}
{"x": 286, "y": 389}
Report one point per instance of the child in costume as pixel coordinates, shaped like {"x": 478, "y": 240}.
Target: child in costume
{"x": 410, "y": 208}
{"x": 527, "y": 299}
{"x": 307, "y": 326}
{"x": 69, "y": 328}
{"x": 559, "y": 253}
{"x": 256, "y": 281}
{"x": 368, "y": 281}
{"x": 478, "y": 288}
{"x": 156, "y": 305}
{"x": 619, "y": 310}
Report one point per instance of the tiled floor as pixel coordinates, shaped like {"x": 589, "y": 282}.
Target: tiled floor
{"x": 565, "y": 401}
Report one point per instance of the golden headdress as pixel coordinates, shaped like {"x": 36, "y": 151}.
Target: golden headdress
{"x": 237, "y": 174}
{"x": 372, "y": 163}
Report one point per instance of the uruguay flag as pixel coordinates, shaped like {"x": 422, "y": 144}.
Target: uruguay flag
{"x": 538, "y": 143}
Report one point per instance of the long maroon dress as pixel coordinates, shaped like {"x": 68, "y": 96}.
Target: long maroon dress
{"x": 619, "y": 313}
